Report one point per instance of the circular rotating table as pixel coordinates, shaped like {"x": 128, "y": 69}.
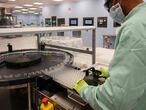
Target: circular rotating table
{"x": 19, "y": 68}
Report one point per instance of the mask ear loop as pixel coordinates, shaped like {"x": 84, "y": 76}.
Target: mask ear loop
{"x": 114, "y": 4}
{"x": 120, "y": 2}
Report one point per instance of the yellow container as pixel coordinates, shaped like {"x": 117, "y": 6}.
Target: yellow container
{"x": 48, "y": 106}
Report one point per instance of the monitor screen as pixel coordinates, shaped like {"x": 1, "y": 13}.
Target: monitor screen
{"x": 73, "y": 21}
{"x": 88, "y": 21}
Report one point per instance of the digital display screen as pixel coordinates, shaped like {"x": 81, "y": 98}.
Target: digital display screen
{"x": 73, "y": 21}
{"x": 88, "y": 21}
{"x": 102, "y": 22}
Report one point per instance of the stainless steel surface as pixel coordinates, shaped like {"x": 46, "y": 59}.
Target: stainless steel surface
{"x": 65, "y": 103}
{"x": 61, "y": 101}
{"x": 29, "y": 96}
{"x": 52, "y": 61}
{"x": 66, "y": 76}
{"x": 14, "y": 97}
{"x": 94, "y": 46}
{"x": 38, "y": 30}
{"x": 13, "y": 86}
{"x": 71, "y": 49}
{"x": 38, "y": 41}
{"x": 76, "y": 98}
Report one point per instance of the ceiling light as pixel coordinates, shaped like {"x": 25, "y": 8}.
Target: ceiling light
{"x": 16, "y": 11}
{"x": 18, "y": 7}
{"x": 40, "y": 13}
{"x": 24, "y": 9}
{"x": 32, "y": 8}
{"x": 57, "y": 0}
{"x": 25, "y": 12}
{"x": 38, "y": 3}
{"x": 28, "y": 5}
{"x": 31, "y": 11}
{"x": 40, "y": 7}
{"x": 11, "y": 0}
{"x": 36, "y": 13}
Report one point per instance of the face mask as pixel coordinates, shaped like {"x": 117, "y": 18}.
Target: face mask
{"x": 117, "y": 14}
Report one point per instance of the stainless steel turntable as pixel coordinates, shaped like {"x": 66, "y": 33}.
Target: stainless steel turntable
{"x": 22, "y": 65}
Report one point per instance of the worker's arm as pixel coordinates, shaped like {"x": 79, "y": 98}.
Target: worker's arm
{"x": 127, "y": 70}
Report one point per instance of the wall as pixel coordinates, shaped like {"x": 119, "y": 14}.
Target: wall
{"x": 28, "y": 18}
{"x": 84, "y": 8}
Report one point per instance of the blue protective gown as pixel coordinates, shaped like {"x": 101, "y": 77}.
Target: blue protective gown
{"x": 125, "y": 89}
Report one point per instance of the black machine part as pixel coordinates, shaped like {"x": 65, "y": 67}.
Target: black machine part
{"x": 93, "y": 71}
{"x": 22, "y": 61}
{"x": 93, "y": 77}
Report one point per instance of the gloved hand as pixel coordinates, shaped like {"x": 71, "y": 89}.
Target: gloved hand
{"x": 80, "y": 85}
{"x": 104, "y": 72}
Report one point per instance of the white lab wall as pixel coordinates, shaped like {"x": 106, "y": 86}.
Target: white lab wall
{"x": 84, "y": 8}
{"x": 27, "y": 18}
{"x": 18, "y": 43}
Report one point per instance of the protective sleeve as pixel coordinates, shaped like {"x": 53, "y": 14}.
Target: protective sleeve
{"x": 127, "y": 81}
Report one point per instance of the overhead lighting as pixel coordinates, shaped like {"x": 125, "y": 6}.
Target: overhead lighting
{"x": 38, "y": 3}
{"x": 28, "y": 5}
{"x": 11, "y": 0}
{"x": 18, "y": 7}
{"x": 36, "y": 13}
{"x": 32, "y": 8}
{"x": 31, "y": 11}
{"x": 39, "y": 13}
{"x": 57, "y": 0}
{"x": 24, "y": 9}
{"x": 40, "y": 7}
{"x": 25, "y": 12}
{"x": 16, "y": 11}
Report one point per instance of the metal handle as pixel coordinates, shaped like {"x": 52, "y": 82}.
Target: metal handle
{"x": 79, "y": 102}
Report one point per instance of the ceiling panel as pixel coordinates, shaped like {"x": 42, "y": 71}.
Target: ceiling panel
{"x": 3, "y": 1}
{"x": 45, "y": 2}
{"x": 31, "y": 2}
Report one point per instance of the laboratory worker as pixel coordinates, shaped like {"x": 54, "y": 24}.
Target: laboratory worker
{"x": 125, "y": 88}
